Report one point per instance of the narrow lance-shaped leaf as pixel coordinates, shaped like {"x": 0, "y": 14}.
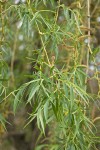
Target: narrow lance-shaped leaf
{"x": 46, "y": 109}
{"x": 34, "y": 89}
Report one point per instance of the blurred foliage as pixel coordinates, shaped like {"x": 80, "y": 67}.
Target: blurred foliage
{"x": 50, "y": 67}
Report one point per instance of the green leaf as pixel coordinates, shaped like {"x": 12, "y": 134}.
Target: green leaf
{"x": 3, "y": 121}
{"x": 34, "y": 89}
{"x": 71, "y": 97}
{"x": 18, "y": 97}
{"x": 46, "y": 109}
{"x": 41, "y": 146}
{"x": 40, "y": 120}
{"x": 44, "y": 1}
{"x": 52, "y": 2}
{"x": 54, "y": 110}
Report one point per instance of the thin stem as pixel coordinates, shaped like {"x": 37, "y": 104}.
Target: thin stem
{"x": 56, "y": 17}
{"x": 88, "y": 50}
{"x": 97, "y": 118}
{"x": 88, "y": 21}
{"x": 43, "y": 45}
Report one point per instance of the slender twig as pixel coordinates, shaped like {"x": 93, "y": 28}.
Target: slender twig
{"x": 97, "y": 118}
{"x": 43, "y": 45}
{"x": 88, "y": 21}
{"x": 88, "y": 50}
{"x": 88, "y": 8}
{"x": 56, "y": 16}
